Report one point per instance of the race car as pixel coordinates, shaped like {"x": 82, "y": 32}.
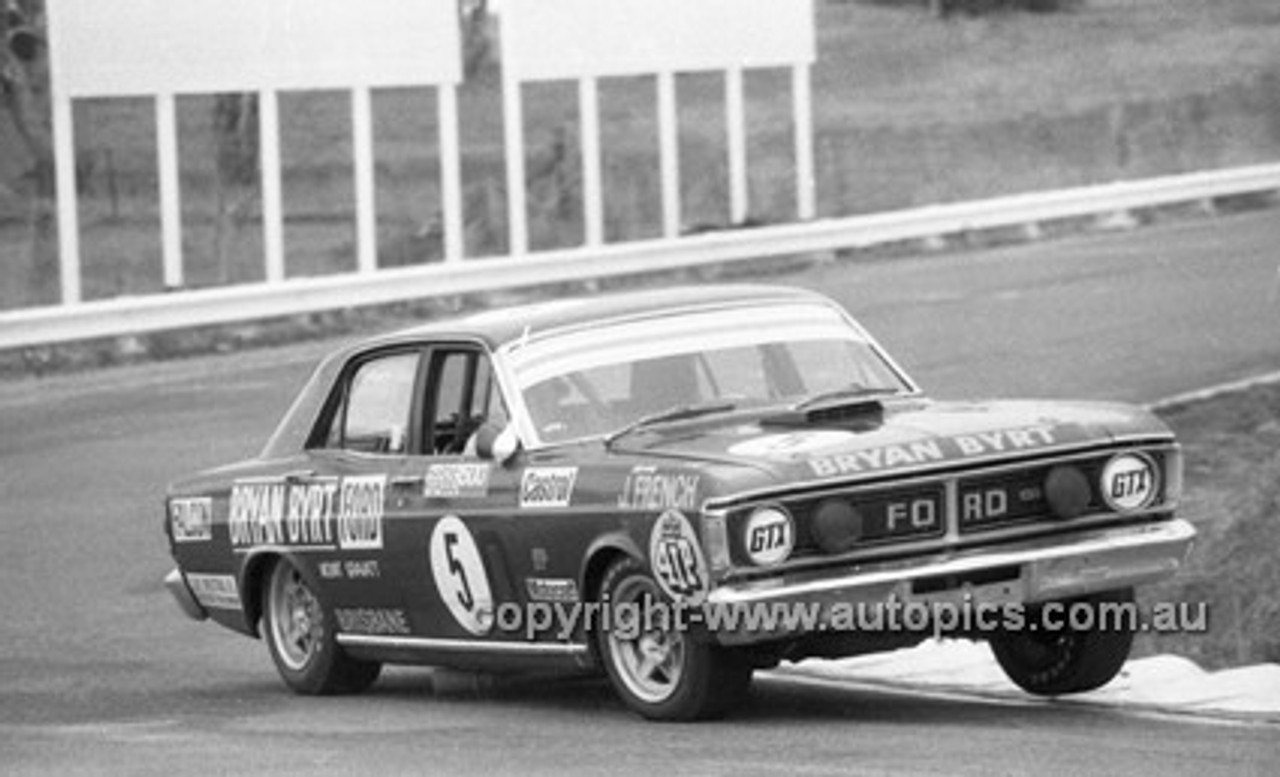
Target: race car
{"x": 676, "y": 488}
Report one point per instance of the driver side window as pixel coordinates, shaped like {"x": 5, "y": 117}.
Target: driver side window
{"x": 465, "y": 396}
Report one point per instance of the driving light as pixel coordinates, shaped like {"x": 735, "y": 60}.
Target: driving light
{"x": 770, "y": 536}
{"x": 1129, "y": 482}
{"x": 1067, "y": 491}
{"x": 836, "y": 526}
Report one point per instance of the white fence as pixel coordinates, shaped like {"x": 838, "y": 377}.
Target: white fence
{"x": 163, "y": 48}
{"x": 303, "y": 295}
{"x": 586, "y": 40}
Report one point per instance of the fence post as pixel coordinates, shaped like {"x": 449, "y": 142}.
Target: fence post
{"x": 669, "y": 151}
{"x": 170, "y": 195}
{"x": 64, "y": 160}
{"x": 450, "y": 171}
{"x": 272, "y": 195}
{"x": 592, "y": 183}
{"x": 366, "y": 185}
{"x": 736, "y": 119}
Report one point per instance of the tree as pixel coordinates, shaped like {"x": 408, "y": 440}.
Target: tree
{"x": 24, "y": 98}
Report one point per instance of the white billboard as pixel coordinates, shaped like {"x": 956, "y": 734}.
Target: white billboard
{"x": 564, "y": 39}
{"x": 145, "y": 47}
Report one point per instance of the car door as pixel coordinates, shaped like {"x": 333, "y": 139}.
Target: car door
{"x": 347, "y": 490}
{"x": 466, "y": 555}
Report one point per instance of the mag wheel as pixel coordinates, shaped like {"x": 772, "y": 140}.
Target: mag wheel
{"x": 1067, "y": 660}
{"x": 300, "y": 637}
{"x": 660, "y": 671}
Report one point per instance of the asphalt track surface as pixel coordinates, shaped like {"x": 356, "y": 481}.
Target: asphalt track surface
{"x": 100, "y": 673}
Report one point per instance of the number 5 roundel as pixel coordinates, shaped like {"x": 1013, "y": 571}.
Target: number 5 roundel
{"x": 460, "y": 576}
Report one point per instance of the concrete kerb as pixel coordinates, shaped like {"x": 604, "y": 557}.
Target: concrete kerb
{"x": 1213, "y": 392}
{"x": 962, "y": 669}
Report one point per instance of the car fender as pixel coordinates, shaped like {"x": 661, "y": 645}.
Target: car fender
{"x": 599, "y": 554}
{"x": 253, "y": 571}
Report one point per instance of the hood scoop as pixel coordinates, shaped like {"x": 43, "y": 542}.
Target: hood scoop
{"x": 859, "y": 415}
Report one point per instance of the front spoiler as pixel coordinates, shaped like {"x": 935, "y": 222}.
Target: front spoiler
{"x": 177, "y": 585}
{"x": 1037, "y": 570}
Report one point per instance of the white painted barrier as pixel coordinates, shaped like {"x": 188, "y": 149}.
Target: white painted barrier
{"x": 123, "y": 316}
{"x": 165, "y": 48}
{"x": 588, "y": 40}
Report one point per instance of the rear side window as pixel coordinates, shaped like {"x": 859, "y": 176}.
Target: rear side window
{"x": 378, "y": 410}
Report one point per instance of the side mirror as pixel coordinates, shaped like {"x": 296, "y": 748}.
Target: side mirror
{"x": 494, "y": 444}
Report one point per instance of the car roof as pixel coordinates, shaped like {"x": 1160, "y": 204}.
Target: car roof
{"x": 499, "y": 326}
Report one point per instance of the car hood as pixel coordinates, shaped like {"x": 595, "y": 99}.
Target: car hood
{"x": 896, "y": 436}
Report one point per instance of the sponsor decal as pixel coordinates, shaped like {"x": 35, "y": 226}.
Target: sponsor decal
{"x": 992, "y": 502}
{"x": 646, "y": 488}
{"x": 677, "y": 560}
{"x": 872, "y": 459}
{"x": 460, "y": 575}
{"x": 921, "y": 452}
{"x": 366, "y": 620}
{"x": 215, "y": 592}
{"x": 350, "y": 570}
{"x": 770, "y": 537}
{"x": 788, "y": 446}
{"x": 546, "y": 589}
{"x": 362, "y": 570}
{"x": 908, "y": 516}
{"x": 547, "y": 487}
{"x": 456, "y": 481}
{"x": 1004, "y": 440}
{"x": 191, "y": 519}
{"x": 360, "y": 517}
{"x": 1129, "y": 482}
{"x": 326, "y": 513}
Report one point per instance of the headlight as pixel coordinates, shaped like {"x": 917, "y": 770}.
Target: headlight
{"x": 1130, "y": 482}
{"x": 770, "y": 536}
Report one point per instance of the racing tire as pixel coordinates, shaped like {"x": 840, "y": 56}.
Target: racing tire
{"x": 659, "y": 671}
{"x": 1059, "y": 662}
{"x": 300, "y": 635}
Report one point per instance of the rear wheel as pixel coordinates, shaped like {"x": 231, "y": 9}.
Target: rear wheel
{"x": 658, "y": 669}
{"x": 301, "y": 638}
{"x": 1053, "y": 663}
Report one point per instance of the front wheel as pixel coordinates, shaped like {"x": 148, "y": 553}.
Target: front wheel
{"x": 1068, "y": 660}
{"x": 658, "y": 669}
{"x": 300, "y": 636}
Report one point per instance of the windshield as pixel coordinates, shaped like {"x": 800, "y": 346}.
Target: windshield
{"x": 594, "y": 383}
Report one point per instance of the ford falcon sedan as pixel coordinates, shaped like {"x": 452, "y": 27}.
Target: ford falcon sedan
{"x": 675, "y": 488}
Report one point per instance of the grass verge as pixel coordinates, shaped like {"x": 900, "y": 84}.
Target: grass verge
{"x": 1232, "y": 448}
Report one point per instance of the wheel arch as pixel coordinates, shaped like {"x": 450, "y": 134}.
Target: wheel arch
{"x": 252, "y": 576}
{"x": 600, "y": 555}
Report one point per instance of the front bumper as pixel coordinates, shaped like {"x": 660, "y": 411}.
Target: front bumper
{"x": 177, "y": 585}
{"x": 1036, "y": 570}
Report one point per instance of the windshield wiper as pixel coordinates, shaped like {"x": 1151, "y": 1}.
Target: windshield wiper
{"x": 852, "y": 392}
{"x": 670, "y": 415}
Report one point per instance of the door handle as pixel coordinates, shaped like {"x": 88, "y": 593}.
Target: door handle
{"x": 299, "y": 474}
{"x": 407, "y": 481}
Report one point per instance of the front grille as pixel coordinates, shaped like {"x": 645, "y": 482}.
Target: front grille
{"x": 986, "y": 503}
{"x": 1002, "y": 501}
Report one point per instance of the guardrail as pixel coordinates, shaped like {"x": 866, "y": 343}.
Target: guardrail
{"x": 177, "y": 310}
